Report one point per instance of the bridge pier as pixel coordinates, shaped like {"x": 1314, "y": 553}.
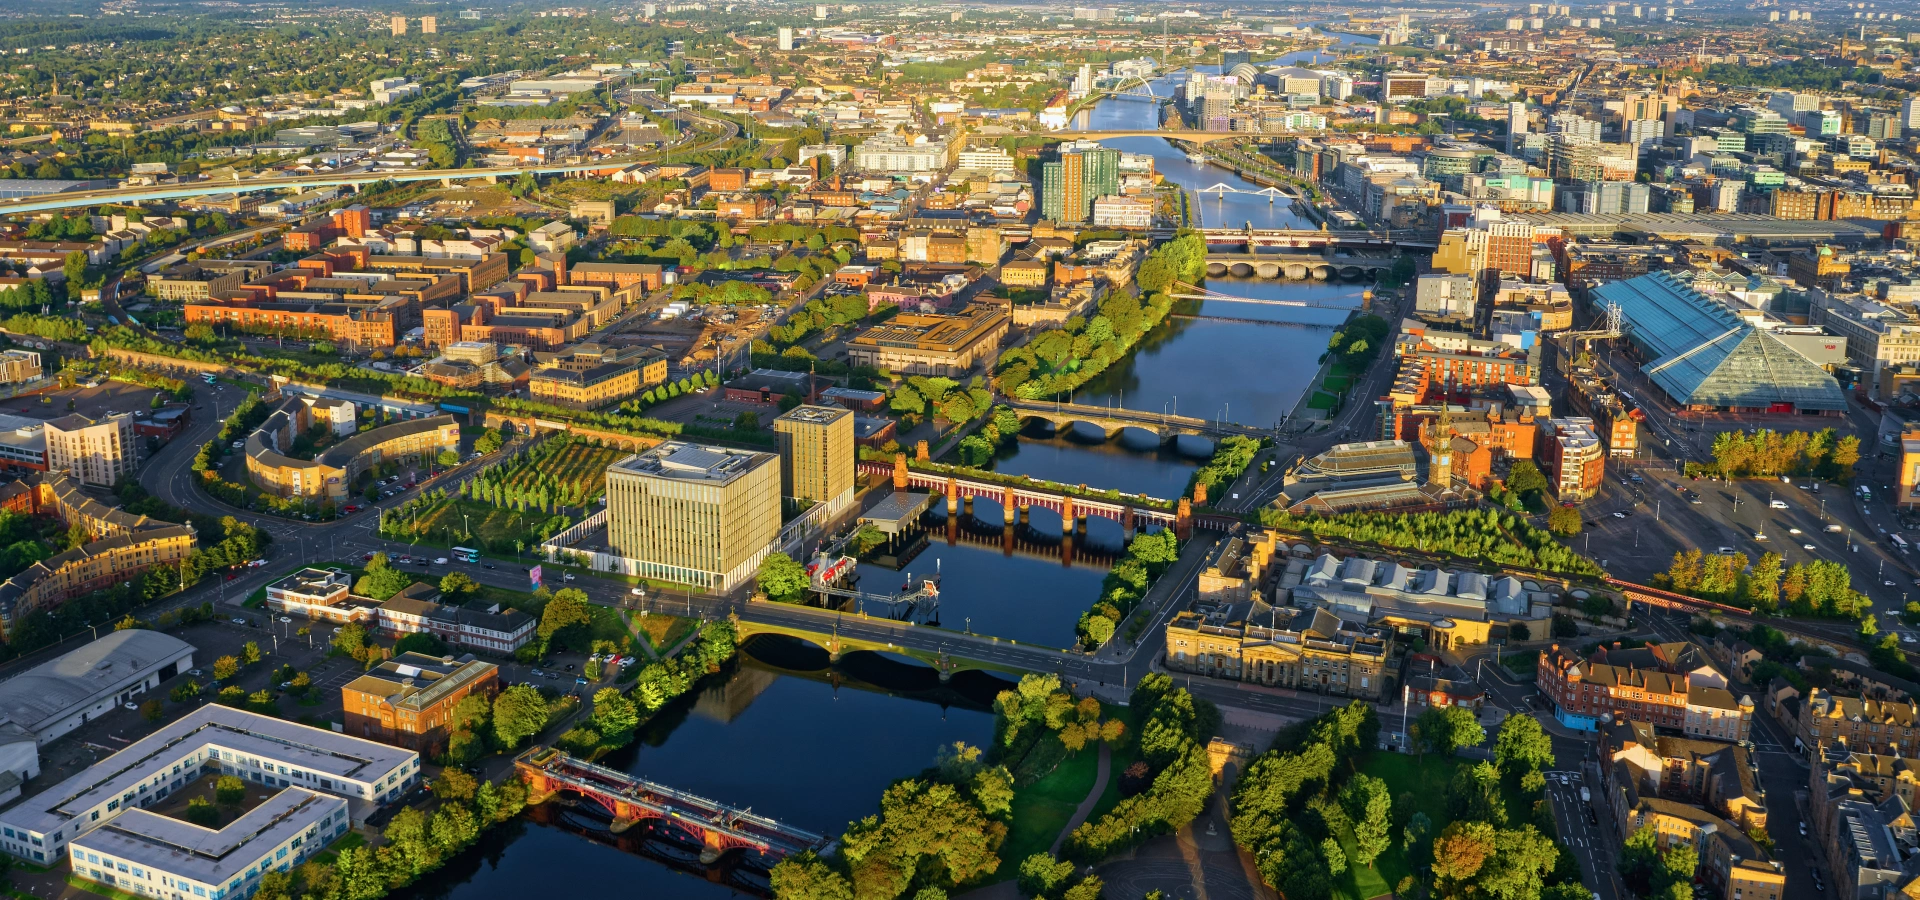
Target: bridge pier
{"x": 1025, "y": 512}
{"x": 966, "y": 503}
{"x": 1010, "y": 511}
{"x": 711, "y": 847}
{"x": 1126, "y": 524}
{"x": 900, "y": 472}
{"x": 953, "y": 497}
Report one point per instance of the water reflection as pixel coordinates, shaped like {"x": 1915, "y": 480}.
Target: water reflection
{"x": 1135, "y": 461}
{"x": 806, "y": 750}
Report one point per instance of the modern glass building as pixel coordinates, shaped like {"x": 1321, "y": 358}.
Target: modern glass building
{"x": 1704, "y": 357}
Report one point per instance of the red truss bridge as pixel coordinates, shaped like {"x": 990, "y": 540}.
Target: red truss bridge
{"x": 631, "y": 801}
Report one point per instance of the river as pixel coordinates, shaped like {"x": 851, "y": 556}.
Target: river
{"x": 782, "y": 734}
{"x": 1237, "y": 361}
{"x": 797, "y": 747}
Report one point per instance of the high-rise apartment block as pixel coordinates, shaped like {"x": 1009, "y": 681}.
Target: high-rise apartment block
{"x": 786, "y": 39}
{"x": 399, "y": 25}
{"x": 1510, "y": 248}
{"x": 1083, "y": 174}
{"x": 816, "y": 454}
{"x": 429, "y": 25}
{"x": 97, "y": 452}
{"x": 694, "y": 514}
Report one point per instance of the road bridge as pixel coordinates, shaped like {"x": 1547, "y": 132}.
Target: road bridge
{"x": 718, "y": 827}
{"x": 1114, "y": 419}
{"x": 1295, "y": 266}
{"x": 1253, "y": 239}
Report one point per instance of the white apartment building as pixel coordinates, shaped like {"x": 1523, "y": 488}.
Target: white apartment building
{"x": 89, "y": 451}
{"x": 986, "y": 159}
{"x": 389, "y": 90}
{"x": 326, "y": 781}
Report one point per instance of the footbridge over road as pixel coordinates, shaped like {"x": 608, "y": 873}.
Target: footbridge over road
{"x": 1114, "y": 419}
{"x": 1296, "y": 266}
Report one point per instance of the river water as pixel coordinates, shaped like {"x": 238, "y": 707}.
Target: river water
{"x": 798, "y": 747}
{"x": 791, "y": 738}
{"x": 1245, "y": 362}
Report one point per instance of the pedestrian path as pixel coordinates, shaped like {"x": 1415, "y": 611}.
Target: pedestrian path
{"x": 1093, "y": 798}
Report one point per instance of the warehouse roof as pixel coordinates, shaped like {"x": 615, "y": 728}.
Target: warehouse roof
{"x": 52, "y": 689}
{"x": 1700, "y": 353}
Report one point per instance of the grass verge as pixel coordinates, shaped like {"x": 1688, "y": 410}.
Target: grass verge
{"x": 1042, "y": 809}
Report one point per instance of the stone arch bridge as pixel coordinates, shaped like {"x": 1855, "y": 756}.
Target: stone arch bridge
{"x": 1295, "y": 267}
{"x": 1113, "y": 419}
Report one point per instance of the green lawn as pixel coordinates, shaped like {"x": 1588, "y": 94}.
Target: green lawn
{"x": 1042, "y": 809}
{"x": 1336, "y": 383}
{"x": 1425, "y": 779}
{"x": 1524, "y": 665}
{"x": 1322, "y": 400}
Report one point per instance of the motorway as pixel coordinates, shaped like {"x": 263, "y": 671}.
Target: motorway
{"x": 148, "y": 193}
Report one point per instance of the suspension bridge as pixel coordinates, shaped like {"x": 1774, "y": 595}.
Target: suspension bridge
{"x": 1271, "y": 193}
{"x": 1135, "y": 89}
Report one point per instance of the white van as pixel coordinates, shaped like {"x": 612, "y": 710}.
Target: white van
{"x": 1777, "y": 504}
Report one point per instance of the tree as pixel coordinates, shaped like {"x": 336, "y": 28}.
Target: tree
{"x": 1525, "y": 478}
{"x": 151, "y": 711}
{"x": 1154, "y": 275}
{"x": 455, "y": 785}
{"x": 382, "y": 580}
{"x": 1462, "y": 850}
{"x": 519, "y": 712}
{"x": 250, "y": 652}
{"x": 782, "y": 579}
{"x": 449, "y": 458}
{"x": 229, "y": 790}
{"x": 1042, "y": 876}
{"x": 225, "y": 668}
{"x": 1521, "y": 740}
{"x": 456, "y": 585}
{"x": 807, "y": 877}
{"x": 1474, "y": 794}
{"x": 613, "y": 713}
{"x": 1563, "y": 521}
{"x": 1446, "y": 729}
{"x": 568, "y": 608}
{"x": 1368, "y": 804}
